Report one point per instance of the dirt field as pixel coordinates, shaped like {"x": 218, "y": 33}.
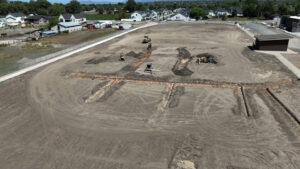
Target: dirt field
{"x": 94, "y": 111}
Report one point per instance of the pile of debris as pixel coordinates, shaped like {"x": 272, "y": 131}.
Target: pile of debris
{"x": 180, "y": 67}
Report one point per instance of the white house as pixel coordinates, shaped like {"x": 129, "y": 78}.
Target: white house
{"x": 222, "y": 11}
{"x": 180, "y": 14}
{"x": 77, "y": 18}
{"x": 13, "y": 19}
{"x": 137, "y": 16}
{"x": 67, "y": 26}
{"x": 210, "y": 13}
{"x": 2, "y": 21}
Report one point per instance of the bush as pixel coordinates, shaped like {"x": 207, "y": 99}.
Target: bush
{"x": 224, "y": 17}
{"x": 65, "y": 31}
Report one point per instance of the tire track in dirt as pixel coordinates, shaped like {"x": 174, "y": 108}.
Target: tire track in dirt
{"x": 186, "y": 153}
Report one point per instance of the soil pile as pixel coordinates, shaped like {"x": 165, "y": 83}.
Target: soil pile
{"x": 180, "y": 67}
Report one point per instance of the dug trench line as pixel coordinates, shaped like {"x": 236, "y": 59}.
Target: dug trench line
{"x": 137, "y": 64}
{"x": 245, "y": 102}
{"x": 291, "y": 114}
{"x": 214, "y": 84}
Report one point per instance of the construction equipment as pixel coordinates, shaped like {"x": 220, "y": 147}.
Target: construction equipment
{"x": 149, "y": 68}
{"x": 122, "y": 57}
{"x": 146, "y": 39}
{"x": 205, "y": 59}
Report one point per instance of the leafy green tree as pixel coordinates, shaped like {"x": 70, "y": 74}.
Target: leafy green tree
{"x": 283, "y": 9}
{"x": 224, "y": 17}
{"x": 73, "y": 7}
{"x": 42, "y": 4}
{"x": 269, "y": 9}
{"x": 3, "y": 1}
{"x": 56, "y": 9}
{"x": 197, "y": 13}
{"x": 4, "y": 8}
{"x": 130, "y": 5}
{"x": 120, "y": 15}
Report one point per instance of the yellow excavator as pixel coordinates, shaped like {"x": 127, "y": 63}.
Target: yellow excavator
{"x": 122, "y": 57}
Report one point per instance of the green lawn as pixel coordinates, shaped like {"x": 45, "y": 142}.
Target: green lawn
{"x": 103, "y": 16}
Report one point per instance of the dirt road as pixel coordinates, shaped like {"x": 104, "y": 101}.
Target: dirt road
{"x": 93, "y": 111}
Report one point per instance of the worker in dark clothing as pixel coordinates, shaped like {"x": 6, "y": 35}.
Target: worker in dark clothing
{"x": 149, "y": 46}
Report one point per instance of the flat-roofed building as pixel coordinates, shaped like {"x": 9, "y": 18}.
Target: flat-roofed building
{"x": 274, "y": 42}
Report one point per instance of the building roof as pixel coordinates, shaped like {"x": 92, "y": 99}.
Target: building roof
{"x": 295, "y": 17}
{"x": 221, "y": 10}
{"x": 67, "y": 16}
{"x": 38, "y": 17}
{"x": 79, "y": 16}
{"x": 1, "y": 16}
{"x": 273, "y": 37}
{"x": 68, "y": 24}
{"x": 18, "y": 14}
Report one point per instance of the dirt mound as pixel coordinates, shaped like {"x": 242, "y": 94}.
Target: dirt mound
{"x": 97, "y": 61}
{"x": 135, "y": 55}
{"x": 180, "y": 67}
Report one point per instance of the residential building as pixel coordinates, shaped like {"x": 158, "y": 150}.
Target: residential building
{"x": 293, "y": 24}
{"x": 238, "y": 12}
{"x": 144, "y": 15}
{"x": 67, "y": 26}
{"x": 13, "y": 19}
{"x": 221, "y": 11}
{"x": 2, "y": 21}
{"x": 38, "y": 19}
{"x": 138, "y": 15}
{"x": 77, "y": 18}
{"x": 209, "y": 13}
{"x": 181, "y": 14}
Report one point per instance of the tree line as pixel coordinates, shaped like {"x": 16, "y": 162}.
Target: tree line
{"x": 251, "y": 8}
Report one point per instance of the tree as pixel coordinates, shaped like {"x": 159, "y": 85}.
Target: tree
{"x": 73, "y": 7}
{"x": 130, "y": 5}
{"x": 224, "y": 17}
{"x": 42, "y": 4}
{"x": 197, "y": 13}
{"x": 283, "y": 9}
{"x": 3, "y": 1}
{"x": 269, "y": 9}
{"x": 120, "y": 15}
{"x": 56, "y": 9}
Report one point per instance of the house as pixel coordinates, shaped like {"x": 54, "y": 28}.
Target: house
{"x": 2, "y": 21}
{"x": 209, "y": 13}
{"x": 293, "y": 24}
{"x": 13, "y": 19}
{"x": 77, "y": 18}
{"x": 221, "y": 11}
{"x": 67, "y": 26}
{"x": 137, "y": 16}
{"x": 143, "y": 15}
{"x": 237, "y": 12}
{"x": 93, "y": 11}
{"x": 38, "y": 19}
{"x": 181, "y": 14}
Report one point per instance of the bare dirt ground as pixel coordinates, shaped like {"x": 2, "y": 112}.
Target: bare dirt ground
{"x": 293, "y": 58}
{"x": 94, "y": 111}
